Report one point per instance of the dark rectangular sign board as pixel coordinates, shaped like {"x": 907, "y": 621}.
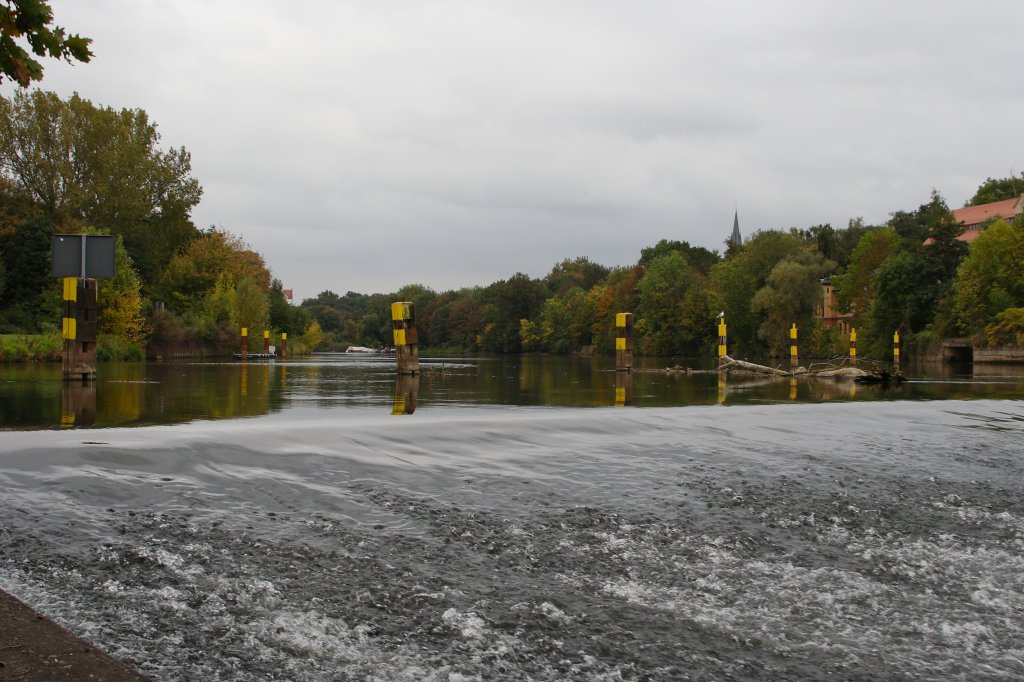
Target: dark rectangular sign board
{"x": 67, "y": 256}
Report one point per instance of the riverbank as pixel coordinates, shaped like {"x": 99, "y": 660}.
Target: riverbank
{"x": 33, "y": 647}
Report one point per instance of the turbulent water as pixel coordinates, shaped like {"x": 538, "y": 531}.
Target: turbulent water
{"x": 844, "y": 541}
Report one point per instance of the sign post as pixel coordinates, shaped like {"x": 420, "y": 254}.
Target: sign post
{"x": 80, "y": 260}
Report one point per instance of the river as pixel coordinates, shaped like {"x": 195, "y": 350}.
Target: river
{"x": 505, "y": 520}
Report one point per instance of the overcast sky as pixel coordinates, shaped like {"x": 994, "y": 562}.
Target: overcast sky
{"x": 366, "y": 145}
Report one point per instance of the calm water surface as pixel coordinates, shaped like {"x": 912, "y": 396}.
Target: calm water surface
{"x": 321, "y": 520}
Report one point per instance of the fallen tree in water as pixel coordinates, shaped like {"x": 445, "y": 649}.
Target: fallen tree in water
{"x": 819, "y": 370}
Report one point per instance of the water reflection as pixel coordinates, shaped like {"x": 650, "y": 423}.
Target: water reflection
{"x": 407, "y": 387}
{"x": 78, "y": 404}
{"x": 125, "y": 394}
{"x": 623, "y": 388}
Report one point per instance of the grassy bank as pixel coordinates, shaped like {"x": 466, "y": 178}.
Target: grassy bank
{"x": 30, "y": 347}
{"x": 48, "y": 348}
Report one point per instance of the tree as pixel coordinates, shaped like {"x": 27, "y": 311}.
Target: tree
{"x": 790, "y": 296}
{"x": 508, "y": 302}
{"x": 736, "y": 280}
{"x": 27, "y": 256}
{"x": 119, "y": 300}
{"x": 83, "y": 164}
{"x": 991, "y": 277}
{"x": 659, "y": 309}
{"x": 30, "y": 21}
{"x": 194, "y": 272}
{"x": 581, "y": 272}
{"x": 997, "y": 190}
{"x": 697, "y": 256}
{"x": 856, "y": 287}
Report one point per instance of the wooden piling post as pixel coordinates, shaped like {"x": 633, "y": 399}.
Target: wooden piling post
{"x": 853, "y": 348}
{"x": 896, "y": 351}
{"x": 722, "y": 345}
{"x": 245, "y": 343}
{"x": 266, "y": 342}
{"x": 403, "y": 322}
{"x": 794, "y": 359}
{"x": 78, "y": 328}
{"x": 624, "y": 342}
{"x": 284, "y": 345}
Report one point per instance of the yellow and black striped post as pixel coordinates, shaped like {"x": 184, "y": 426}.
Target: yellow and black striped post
{"x": 794, "y": 359}
{"x": 853, "y": 348}
{"x": 624, "y": 342}
{"x": 266, "y": 342}
{"x": 403, "y": 323}
{"x": 284, "y": 345}
{"x": 245, "y": 343}
{"x": 722, "y": 341}
{"x": 896, "y": 351}
{"x": 78, "y": 328}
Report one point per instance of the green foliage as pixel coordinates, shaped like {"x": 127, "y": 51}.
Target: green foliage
{"x": 312, "y": 335}
{"x": 31, "y": 348}
{"x": 737, "y": 280}
{"x": 506, "y": 302}
{"x": 790, "y": 296}
{"x": 581, "y": 273}
{"x": 837, "y": 245}
{"x": 194, "y": 272}
{"x": 114, "y": 348}
{"x": 659, "y": 311}
{"x": 997, "y": 190}
{"x": 119, "y": 300}
{"x": 697, "y": 256}
{"x": 1007, "y": 329}
{"x": 991, "y": 278}
{"x": 27, "y": 261}
{"x": 30, "y": 22}
{"x": 83, "y": 164}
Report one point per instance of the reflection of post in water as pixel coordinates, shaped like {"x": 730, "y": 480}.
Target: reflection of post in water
{"x": 623, "y": 388}
{"x": 245, "y": 379}
{"x": 78, "y": 404}
{"x": 407, "y": 387}
{"x": 721, "y": 386}
{"x": 792, "y": 388}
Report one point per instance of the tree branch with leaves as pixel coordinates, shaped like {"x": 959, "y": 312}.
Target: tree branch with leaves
{"x": 27, "y": 24}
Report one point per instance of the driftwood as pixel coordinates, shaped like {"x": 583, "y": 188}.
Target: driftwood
{"x": 730, "y": 364}
{"x": 817, "y": 371}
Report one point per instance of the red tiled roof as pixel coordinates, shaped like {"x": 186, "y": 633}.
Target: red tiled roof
{"x": 973, "y": 217}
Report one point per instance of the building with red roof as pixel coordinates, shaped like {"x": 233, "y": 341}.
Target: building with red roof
{"x": 973, "y": 218}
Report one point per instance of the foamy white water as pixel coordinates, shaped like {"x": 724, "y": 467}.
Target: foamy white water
{"x": 831, "y": 541}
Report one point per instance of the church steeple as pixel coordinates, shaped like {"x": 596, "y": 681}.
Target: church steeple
{"x": 736, "y": 239}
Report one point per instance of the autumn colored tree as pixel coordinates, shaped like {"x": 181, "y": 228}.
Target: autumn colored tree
{"x": 195, "y": 271}
{"x": 26, "y": 32}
